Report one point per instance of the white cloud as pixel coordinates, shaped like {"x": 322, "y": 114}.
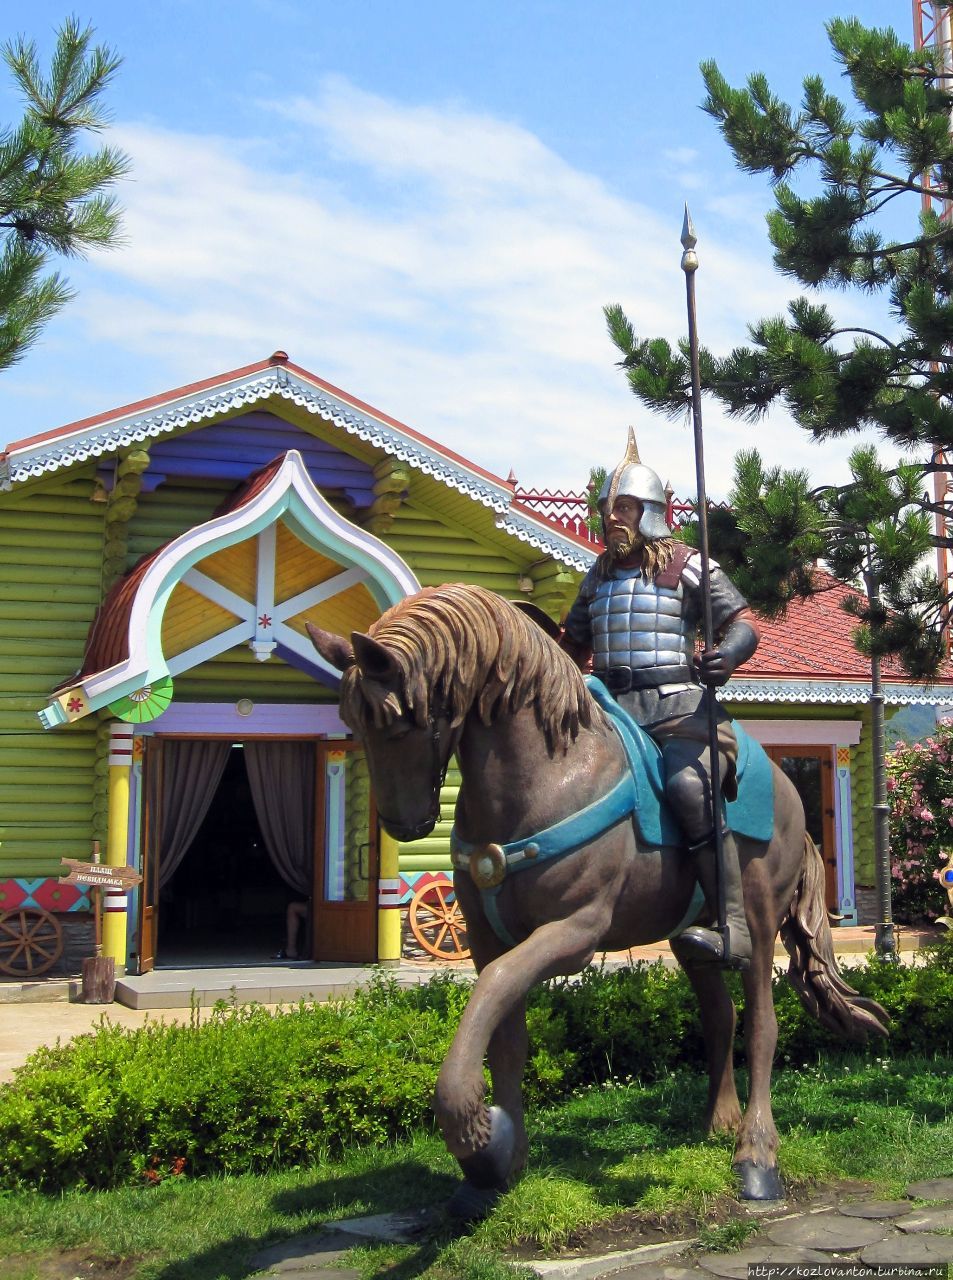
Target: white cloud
{"x": 443, "y": 265}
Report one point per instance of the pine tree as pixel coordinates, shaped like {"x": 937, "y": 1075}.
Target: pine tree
{"x": 597, "y": 478}
{"x": 54, "y": 197}
{"x": 835, "y": 380}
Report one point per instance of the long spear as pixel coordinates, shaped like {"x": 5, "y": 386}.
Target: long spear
{"x": 690, "y": 266}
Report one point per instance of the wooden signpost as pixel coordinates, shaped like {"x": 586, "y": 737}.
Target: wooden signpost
{"x": 99, "y": 971}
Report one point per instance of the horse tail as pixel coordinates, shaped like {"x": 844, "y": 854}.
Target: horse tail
{"x": 813, "y": 971}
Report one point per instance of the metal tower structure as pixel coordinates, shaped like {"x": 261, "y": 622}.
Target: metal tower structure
{"x": 933, "y": 29}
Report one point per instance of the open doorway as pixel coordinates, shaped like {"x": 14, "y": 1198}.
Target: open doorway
{"x": 225, "y": 897}
{"x": 811, "y": 770}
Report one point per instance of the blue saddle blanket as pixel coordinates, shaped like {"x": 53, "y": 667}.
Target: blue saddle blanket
{"x": 751, "y": 815}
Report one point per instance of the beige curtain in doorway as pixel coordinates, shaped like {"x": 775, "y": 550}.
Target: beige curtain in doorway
{"x": 281, "y": 777}
{"x": 190, "y": 772}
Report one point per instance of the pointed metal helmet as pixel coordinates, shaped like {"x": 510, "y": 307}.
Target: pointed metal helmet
{"x": 632, "y": 479}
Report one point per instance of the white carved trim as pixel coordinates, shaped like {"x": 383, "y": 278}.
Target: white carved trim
{"x": 210, "y": 648}
{"x": 546, "y": 539}
{"x": 219, "y": 594}
{"x": 837, "y": 692}
{"x": 47, "y": 456}
{"x": 67, "y": 449}
{"x": 315, "y": 595}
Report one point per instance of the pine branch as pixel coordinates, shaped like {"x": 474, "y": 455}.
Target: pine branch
{"x": 55, "y": 199}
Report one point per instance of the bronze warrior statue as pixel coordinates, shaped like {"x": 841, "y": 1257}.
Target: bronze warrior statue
{"x": 637, "y": 614}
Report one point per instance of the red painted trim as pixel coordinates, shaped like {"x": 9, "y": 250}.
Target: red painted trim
{"x": 208, "y": 384}
{"x": 137, "y": 406}
{"x": 401, "y": 426}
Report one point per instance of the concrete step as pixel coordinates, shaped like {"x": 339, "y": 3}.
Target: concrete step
{"x": 265, "y": 984}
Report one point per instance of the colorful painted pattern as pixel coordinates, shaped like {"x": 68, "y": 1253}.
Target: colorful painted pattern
{"x": 410, "y": 881}
{"x": 45, "y": 893}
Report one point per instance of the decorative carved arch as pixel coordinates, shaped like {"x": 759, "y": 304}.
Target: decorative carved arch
{"x": 129, "y": 647}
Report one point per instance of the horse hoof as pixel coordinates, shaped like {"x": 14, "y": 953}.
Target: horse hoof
{"x": 489, "y": 1169}
{"x": 472, "y": 1204}
{"x": 758, "y": 1182}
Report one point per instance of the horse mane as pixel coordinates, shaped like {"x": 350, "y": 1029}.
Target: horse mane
{"x": 464, "y": 648}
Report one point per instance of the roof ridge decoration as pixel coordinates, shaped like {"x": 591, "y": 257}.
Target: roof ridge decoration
{"x": 52, "y": 452}
{"x": 288, "y": 494}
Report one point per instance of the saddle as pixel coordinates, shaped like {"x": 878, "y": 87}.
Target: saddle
{"x": 639, "y": 793}
{"x": 750, "y": 815}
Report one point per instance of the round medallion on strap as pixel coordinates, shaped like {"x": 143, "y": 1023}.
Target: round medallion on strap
{"x": 487, "y": 866}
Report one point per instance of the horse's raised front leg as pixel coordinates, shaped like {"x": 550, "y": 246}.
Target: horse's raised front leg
{"x": 723, "y": 1112}
{"x": 506, "y": 1058}
{"x": 756, "y": 1158}
{"x": 490, "y": 1143}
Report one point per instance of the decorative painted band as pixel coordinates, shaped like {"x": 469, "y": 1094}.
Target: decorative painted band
{"x": 120, "y": 745}
{"x": 50, "y": 894}
{"x": 412, "y": 881}
{"x": 388, "y": 893}
{"x": 46, "y": 893}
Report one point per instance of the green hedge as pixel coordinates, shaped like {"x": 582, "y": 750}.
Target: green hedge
{"x": 249, "y": 1090}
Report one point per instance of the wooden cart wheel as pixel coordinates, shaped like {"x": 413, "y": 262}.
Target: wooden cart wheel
{"x": 437, "y": 922}
{"x": 31, "y": 942}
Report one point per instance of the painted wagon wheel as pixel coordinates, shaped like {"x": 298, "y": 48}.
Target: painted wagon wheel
{"x": 31, "y": 942}
{"x": 437, "y": 922}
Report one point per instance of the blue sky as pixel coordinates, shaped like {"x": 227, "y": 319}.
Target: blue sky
{"x": 428, "y": 205}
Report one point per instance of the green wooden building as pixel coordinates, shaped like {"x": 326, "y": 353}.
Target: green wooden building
{"x": 159, "y": 698}
{"x": 158, "y": 694}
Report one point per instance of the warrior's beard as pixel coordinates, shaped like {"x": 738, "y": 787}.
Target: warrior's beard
{"x": 622, "y": 542}
{"x": 656, "y": 553}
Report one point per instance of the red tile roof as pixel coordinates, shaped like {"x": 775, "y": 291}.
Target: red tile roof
{"x": 814, "y": 640}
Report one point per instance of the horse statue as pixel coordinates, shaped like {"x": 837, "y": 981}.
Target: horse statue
{"x": 551, "y": 868}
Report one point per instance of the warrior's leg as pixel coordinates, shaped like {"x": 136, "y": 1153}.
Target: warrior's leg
{"x": 688, "y": 790}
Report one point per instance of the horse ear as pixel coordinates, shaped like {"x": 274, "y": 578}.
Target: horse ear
{"x": 376, "y": 662}
{"x": 333, "y": 649}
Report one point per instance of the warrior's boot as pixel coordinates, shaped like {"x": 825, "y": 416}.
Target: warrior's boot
{"x": 707, "y": 945}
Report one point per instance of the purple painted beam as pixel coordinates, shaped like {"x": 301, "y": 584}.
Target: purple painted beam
{"x": 234, "y": 449}
{"x": 223, "y": 719}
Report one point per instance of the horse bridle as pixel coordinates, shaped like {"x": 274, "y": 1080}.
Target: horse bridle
{"x": 439, "y": 777}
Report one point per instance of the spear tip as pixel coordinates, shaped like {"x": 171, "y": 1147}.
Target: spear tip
{"x": 689, "y": 239}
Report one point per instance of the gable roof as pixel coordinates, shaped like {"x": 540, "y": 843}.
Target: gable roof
{"x": 810, "y": 656}
{"x": 277, "y": 379}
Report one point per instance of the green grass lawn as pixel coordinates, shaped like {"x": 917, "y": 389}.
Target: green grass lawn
{"x": 607, "y": 1150}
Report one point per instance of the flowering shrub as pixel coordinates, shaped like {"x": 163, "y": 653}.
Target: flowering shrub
{"x": 920, "y": 786}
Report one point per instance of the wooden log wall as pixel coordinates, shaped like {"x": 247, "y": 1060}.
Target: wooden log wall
{"x": 171, "y": 509}
{"x": 238, "y": 674}
{"x": 51, "y": 535}
{"x": 438, "y": 552}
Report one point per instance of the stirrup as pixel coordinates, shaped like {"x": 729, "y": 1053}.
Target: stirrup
{"x": 710, "y": 946}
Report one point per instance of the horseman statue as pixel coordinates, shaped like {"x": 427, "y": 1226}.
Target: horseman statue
{"x": 637, "y": 615}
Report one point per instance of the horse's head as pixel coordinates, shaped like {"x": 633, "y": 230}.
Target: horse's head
{"x": 407, "y": 752}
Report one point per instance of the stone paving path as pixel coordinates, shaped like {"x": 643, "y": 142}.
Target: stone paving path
{"x": 839, "y": 1226}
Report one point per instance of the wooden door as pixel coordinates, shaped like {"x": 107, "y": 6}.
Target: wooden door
{"x": 811, "y": 769}
{"x": 346, "y": 857}
{"x": 149, "y": 889}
